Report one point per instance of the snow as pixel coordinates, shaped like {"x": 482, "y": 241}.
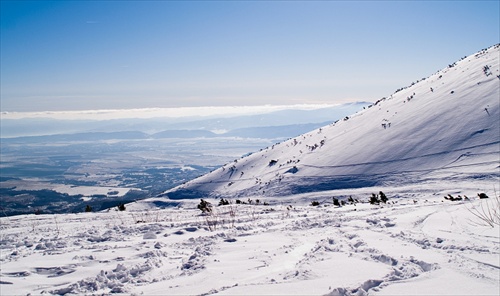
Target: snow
{"x": 418, "y": 243}
{"x": 442, "y": 127}
{"x": 431, "y": 247}
{"x": 187, "y": 168}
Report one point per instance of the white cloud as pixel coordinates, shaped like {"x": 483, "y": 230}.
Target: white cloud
{"x": 106, "y": 114}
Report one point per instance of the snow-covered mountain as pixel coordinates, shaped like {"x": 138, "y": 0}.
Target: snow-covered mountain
{"x": 443, "y": 126}
{"x": 437, "y": 138}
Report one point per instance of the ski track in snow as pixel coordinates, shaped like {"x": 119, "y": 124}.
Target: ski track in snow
{"x": 277, "y": 249}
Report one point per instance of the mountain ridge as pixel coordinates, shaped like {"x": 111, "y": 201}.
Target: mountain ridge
{"x": 443, "y": 126}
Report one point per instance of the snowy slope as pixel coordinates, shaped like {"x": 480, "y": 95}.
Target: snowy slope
{"x": 444, "y": 126}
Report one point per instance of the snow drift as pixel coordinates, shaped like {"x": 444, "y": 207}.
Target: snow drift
{"x": 443, "y": 126}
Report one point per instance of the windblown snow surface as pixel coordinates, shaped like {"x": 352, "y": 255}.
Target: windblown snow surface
{"x": 436, "y": 143}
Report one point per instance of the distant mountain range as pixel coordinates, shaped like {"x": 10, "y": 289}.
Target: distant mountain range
{"x": 278, "y": 124}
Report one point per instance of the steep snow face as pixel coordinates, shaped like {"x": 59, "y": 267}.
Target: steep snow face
{"x": 444, "y": 126}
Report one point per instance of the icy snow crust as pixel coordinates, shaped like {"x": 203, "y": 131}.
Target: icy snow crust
{"x": 445, "y": 126}
{"x": 438, "y": 144}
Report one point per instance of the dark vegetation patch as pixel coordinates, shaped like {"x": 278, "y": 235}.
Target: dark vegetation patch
{"x": 20, "y": 202}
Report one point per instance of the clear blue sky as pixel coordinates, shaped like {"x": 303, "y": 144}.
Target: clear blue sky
{"x": 76, "y": 55}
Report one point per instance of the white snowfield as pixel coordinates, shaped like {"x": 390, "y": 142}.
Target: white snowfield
{"x": 437, "y": 139}
{"x": 428, "y": 247}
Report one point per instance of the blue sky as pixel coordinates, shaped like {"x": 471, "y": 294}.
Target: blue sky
{"x": 78, "y": 55}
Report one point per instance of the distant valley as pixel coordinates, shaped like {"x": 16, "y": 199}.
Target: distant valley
{"x": 105, "y": 163}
